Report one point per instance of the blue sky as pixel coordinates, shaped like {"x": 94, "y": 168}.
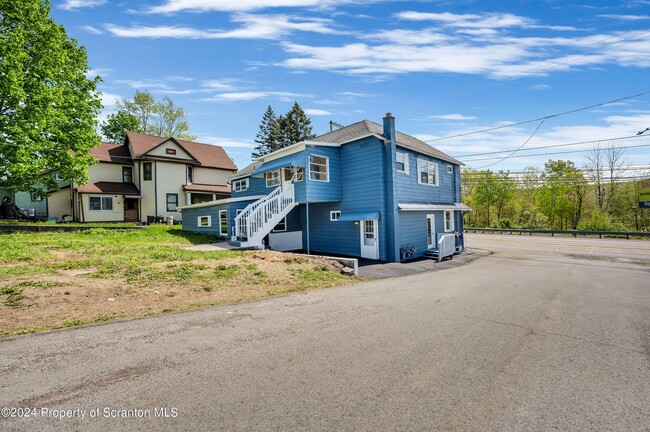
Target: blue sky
{"x": 442, "y": 68}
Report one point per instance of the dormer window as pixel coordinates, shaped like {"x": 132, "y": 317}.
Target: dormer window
{"x": 170, "y": 151}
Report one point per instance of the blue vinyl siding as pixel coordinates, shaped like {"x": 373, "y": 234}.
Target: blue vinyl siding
{"x": 256, "y": 186}
{"x": 324, "y": 190}
{"x": 413, "y": 229}
{"x": 191, "y": 215}
{"x": 329, "y": 237}
{"x": 409, "y": 190}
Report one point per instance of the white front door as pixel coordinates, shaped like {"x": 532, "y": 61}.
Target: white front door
{"x": 369, "y": 239}
{"x": 431, "y": 231}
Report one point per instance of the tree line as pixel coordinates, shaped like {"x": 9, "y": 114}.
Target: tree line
{"x": 561, "y": 196}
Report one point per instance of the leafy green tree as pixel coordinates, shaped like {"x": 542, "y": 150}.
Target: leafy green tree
{"x": 493, "y": 192}
{"x": 48, "y": 107}
{"x": 561, "y": 198}
{"x": 163, "y": 119}
{"x": 115, "y": 127}
{"x": 268, "y": 136}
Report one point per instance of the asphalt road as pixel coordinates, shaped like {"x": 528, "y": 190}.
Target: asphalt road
{"x": 510, "y": 342}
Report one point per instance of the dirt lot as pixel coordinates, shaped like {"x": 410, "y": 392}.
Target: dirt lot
{"x": 64, "y": 279}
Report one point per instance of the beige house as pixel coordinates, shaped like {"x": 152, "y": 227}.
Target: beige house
{"x": 145, "y": 177}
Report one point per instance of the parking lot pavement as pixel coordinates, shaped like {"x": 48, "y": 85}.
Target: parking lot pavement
{"x": 380, "y": 270}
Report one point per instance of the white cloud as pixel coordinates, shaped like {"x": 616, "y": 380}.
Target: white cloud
{"x": 172, "y": 6}
{"x": 626, "y": 17}
{"x": 490, "y": 20}
{"x": 219, "y": 84}
{"x": 92, "y": 30}
{"x": 541, "y": 87}
{"x": 225, "y": 142}
{"x": 76, "y": 4}
{"x": 452, "y": 117}
{"x": 110, "y": 99}
{"x": 253, "y": 95}
{"x": 316, "y": 112}
{"x": 251, "y": 27}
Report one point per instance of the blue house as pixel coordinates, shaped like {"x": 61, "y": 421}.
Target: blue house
{"x": 363, "y": 190}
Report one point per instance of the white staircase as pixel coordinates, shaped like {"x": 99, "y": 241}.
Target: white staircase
{"x": 259, "y": 218}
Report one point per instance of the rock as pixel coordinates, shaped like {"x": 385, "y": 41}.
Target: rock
{"x": 347, "y": 271}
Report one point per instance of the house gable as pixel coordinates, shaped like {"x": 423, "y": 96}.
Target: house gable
{"x": 170, "y": 149}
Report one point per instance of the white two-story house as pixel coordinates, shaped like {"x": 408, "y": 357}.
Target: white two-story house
{"x": 145, "y": 178}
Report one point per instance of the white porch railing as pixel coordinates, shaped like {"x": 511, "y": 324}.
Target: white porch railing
{"x": 259, "y": 218}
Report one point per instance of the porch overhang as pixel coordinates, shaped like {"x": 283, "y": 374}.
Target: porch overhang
{"x": 438, "y": 207}
{"x": 297, "y": 160}
{"x": 359, "y": 216}
{"x": 132, "y": 196}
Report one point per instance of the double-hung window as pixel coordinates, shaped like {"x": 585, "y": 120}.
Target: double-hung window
{"x": 402, "y": 162}
{"x": 427, "y": 172}
{"x": 318, "y": 168}
{"x": 147, "y": 171}
{"x": 172, "y": 202}
{"x": 127, "y": 175}
{"x": 449, "y": 220}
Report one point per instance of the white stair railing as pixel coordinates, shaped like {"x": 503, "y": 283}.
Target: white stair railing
{"x": 259, "y": 218}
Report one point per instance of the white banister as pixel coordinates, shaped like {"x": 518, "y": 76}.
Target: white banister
{"x": 259, "y": 218}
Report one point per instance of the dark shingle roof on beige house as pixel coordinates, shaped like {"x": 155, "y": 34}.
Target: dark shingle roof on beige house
{"x": 208, "y": 155}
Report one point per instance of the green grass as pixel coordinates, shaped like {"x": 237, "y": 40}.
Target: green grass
{"x": 105, "y": 252}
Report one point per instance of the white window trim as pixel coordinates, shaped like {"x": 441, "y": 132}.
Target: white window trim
{"x": 451, "y": 220}
{"x": 167, "y": 202}
{"x": 327, "y": 168}
{"x": 406, "y": 162}
{"x": 450, "y": 169}
{"x": 243, "y": 185}
{"x": 284, "y": 219}
{"x": 266, "y": 177}
{"x": 198, "y": 221}
{"x": 101, "y": 204}
{"x": 220, "y": 227}
{"x": 419, "y": 163}
{"x": 333, "y": 215}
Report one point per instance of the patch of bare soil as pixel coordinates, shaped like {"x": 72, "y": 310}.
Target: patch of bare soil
{"x": 73, "y": 297}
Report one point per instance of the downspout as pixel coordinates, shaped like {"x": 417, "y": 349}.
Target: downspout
{"x": 392, "y": 215}
{"x": 155, "y": 187}
{"x": 306, "y": 175}
{"x": 81, "y": 207}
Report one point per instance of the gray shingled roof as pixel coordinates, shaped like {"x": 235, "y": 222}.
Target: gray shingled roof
{"x": 246, "y": 170}
{"x": 366, "y": 127}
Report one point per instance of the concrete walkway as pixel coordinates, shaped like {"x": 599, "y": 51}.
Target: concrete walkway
{"x": 212, "y": 247}
{"x": 381, "y": 270}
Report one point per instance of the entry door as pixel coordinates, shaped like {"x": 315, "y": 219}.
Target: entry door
{"x": 431, "y": 231}
{"x": 131, "y": 210}
{"x": 369, "y": 239}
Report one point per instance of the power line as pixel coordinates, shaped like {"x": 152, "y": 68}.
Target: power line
{"x": 540, "y": 118}
{"x": 555, "y": 145}
{"x": 555, "y": 153}
{"x": 517, "y": 149}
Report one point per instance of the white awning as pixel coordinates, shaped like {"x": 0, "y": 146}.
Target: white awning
{"x": 425, "y": 206}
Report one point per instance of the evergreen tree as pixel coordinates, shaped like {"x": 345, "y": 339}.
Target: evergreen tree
{"x": 296, "y": 126}
{"x": 267, "y": 138}
{"x": 279, "y": 132}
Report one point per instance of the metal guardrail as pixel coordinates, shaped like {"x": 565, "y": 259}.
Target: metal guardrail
{"x": 575, "y": 233}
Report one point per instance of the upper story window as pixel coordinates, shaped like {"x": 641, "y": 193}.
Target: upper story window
{"x": 450, "y": 169}
{"x": 170, "y": 151}
{"x": 127, "y": 175}
{"x": 318, "y": 168}
{"x": 190, "y": 174}
{"x": 240, "y": 185}
{"x": 272, "y": 178}
{"x": 427, "y": 172}
{"x": 402, "y": 162}
{"x": 335, "y": 215}
{"x": 147, "y": 171}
